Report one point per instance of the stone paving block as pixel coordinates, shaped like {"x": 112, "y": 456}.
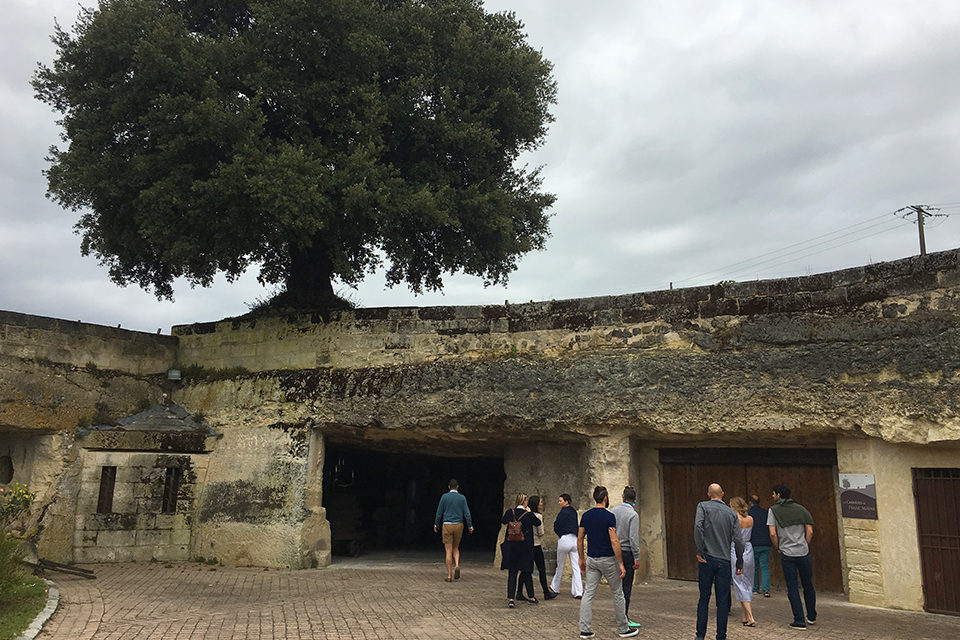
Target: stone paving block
{"x": 373, "y": 600}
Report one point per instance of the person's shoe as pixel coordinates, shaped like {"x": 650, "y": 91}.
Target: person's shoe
{"x": 521, "y": 597}
{"x": 448, "y": 579}
{"x": 587, "y": 634}
{"x": 798, "y": 626}
{"x": 511, "y": 604}
{"x": 578, "y": 597}
{"x": 811, "y": 621}
{"x": 550, "y": 595}
{"x": 456, "y": 573}
{"x": 766, "y": 594}
{"x": 628, "y": 634}
{"x": 532, "y": 601}
{"x": 633, "y": 625}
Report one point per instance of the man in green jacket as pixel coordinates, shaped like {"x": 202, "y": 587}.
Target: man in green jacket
{"x": 452, "y": 512}
{"x": 791, "y": 530}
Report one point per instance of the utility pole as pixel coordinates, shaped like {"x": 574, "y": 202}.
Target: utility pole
{"x": 920, "y": 213}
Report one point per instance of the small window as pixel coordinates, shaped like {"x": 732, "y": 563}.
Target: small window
{"x": 171, "y": 486}
{"x": 6, "y": 469}
{"x": 108, "y": 479}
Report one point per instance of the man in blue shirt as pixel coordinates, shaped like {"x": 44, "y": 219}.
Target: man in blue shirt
{"x": 452, "y": 512}
{"x": 603, "y": 559}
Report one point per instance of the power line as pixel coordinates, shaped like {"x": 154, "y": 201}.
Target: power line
{"x": 778, "y": 253}
{"x": 801, "y": 257}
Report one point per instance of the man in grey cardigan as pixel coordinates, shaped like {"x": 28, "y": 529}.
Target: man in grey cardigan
{"x": 715, "y": 529}
{"x": 628, "y": 532}
{"x": 452, "y": 512}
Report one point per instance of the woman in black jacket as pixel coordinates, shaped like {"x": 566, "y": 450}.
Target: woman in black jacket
{"x": 518, "y": 555}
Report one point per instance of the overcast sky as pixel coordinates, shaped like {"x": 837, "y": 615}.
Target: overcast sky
{"x": 694, "y": 142}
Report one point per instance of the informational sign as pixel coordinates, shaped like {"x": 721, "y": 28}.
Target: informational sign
{"x": 858, "y": 496}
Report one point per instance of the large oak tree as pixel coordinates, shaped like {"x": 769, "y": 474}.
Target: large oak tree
{"x": 314, "y": 138}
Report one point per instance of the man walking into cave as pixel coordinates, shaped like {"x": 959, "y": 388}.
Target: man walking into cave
{"x": 452, "y": 513}
{"x": 716, "y": 530}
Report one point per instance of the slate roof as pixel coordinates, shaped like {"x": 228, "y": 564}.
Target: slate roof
{"x": 159, "y": 418}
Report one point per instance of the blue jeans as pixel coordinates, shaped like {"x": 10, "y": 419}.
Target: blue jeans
{"x": 716, "y": 573}
{"x": 761, "y": 569}
{"x": 802, "y": 568}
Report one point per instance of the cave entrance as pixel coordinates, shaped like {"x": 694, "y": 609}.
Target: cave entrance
{"x": 385, "y": 501}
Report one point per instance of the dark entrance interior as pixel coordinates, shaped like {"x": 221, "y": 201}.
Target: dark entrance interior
{"x": 387, "y": 500}
{"x": 808, "y": 472}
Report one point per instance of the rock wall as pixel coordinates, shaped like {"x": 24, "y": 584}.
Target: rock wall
{"x": 861, "y": 351}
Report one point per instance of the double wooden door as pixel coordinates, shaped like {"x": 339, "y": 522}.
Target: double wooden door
{"x": 685, "y": 485}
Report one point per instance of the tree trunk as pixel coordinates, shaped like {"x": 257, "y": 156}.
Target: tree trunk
{"x": 309, "y": 284}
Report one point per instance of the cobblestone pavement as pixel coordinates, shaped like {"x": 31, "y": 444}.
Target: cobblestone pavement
{"x": 361, "y": 599}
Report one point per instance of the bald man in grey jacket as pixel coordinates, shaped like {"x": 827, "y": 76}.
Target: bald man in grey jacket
{"x": 715, "y": 529}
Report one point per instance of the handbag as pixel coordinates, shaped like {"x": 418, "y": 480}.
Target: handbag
{"x": 514, "y": 528}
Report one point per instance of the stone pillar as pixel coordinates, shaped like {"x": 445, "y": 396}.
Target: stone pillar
{"x": 546, "y": 469}
{"x": 608, "y": 462}
{"x": 315, "y": 531}
{"x": 650, "y": 506}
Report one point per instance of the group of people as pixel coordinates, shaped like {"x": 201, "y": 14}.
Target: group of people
{"x": 734, "y": 543}
{"x": 602, "y": 543}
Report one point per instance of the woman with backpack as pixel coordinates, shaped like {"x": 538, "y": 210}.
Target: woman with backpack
{"x": 517, "y": 548}
{"x": 533, "y": 503}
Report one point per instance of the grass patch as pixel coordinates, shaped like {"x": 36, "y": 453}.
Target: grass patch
{"x": 20, "y": 602}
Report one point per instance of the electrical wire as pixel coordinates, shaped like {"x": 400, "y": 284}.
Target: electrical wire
{"x": 778, "y": 250}
{"x": 801, "y": 257}
{"x": 757, "y": 261}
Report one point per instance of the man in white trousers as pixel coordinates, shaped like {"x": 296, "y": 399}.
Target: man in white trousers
{"x": 566, "y": 526}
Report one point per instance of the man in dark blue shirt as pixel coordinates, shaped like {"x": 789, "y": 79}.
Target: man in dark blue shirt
{"x": 603, "y": 559}
{"x": 565, "y": 526}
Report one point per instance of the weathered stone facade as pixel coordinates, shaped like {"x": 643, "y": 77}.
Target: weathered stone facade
{"x": 570, "y": 393}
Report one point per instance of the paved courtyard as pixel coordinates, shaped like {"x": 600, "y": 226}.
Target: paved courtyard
{"x": 409, "y": 599}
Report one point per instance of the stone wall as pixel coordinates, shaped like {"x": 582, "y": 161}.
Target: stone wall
{"x": 882, "y": 555}
{"x": 257, "y": 501}
{"x": 85, "y": 345}
{"x": 136, "y": 530}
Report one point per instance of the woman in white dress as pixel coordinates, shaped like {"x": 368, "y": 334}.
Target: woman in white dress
{"x": 743, "y": 584}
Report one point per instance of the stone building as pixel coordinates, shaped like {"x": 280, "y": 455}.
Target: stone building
{"x": 311, "y": 436}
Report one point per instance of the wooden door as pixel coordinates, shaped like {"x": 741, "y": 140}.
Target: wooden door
{"x": 814, "y": 488}
{"x": 685, "y": 485}
{"x": 937, "y": 497}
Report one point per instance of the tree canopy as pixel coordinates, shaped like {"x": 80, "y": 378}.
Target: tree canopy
{"x": 317, "y": 139}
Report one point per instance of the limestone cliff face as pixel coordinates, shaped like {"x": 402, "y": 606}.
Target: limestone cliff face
{"x": 872, "y": 351}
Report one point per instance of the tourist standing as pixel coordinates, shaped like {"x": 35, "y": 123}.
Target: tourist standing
{"x": 715, "y": 528}
{"x": 517, "y": 554}
{"x": 628, "y": 533}
{"x": 743, "y": 581}
{"x": 533, "y": 502}
{"x": 565, "y": 526}
{"x": 603, "y": 560}
{"x": 791, "y": 530}
{"x": 760, "y": 540}
{"x": 452, "y": 513}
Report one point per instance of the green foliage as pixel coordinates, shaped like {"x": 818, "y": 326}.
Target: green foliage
{"x": 21, "y": 599}
{"x": 15, "y": 499}
{"x": 314, "y": 139}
